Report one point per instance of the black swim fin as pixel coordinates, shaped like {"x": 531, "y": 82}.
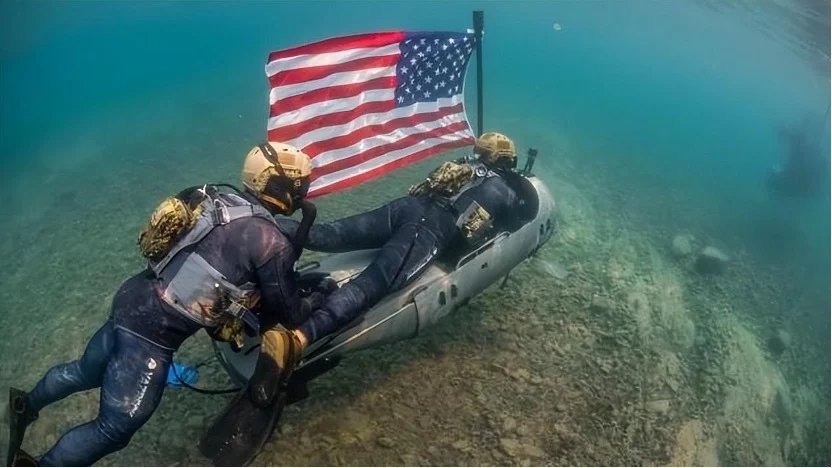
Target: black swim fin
{"x": 24, "y": 459}
{"x": 241, "y": 431}
{"x": 20, "y": 416}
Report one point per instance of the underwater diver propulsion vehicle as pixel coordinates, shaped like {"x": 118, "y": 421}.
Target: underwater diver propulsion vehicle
{"x": 449, "y": 282}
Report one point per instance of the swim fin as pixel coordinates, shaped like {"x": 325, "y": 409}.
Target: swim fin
{"x": 20, "y": 416}
{"x": 24, "y": 459}
{"x": 241, "y": 431}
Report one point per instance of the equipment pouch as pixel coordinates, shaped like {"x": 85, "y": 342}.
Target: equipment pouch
{"x": 474, "y": 223}
{"x": 168, "y": 222}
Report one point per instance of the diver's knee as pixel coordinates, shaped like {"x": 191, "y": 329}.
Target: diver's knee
{"x": 347, "y": 302}
{"x": 372, "y": 284}
{"x": 117, "y": 430}
{"x": 71, "y": 374}
{"x": 120, "y": 424}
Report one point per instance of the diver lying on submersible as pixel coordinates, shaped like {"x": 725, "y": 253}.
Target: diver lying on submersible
{"x": 216, "y": 260}
{"x": 461, "y": 201}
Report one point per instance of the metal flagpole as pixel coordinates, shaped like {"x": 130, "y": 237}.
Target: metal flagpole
{"x": 478, "y": 25}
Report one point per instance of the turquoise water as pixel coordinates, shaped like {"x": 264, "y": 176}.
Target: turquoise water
{"x": 674, "y": 89}
{"x": 107, "y": 106}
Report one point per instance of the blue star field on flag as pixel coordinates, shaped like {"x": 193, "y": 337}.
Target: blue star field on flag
{"x": 432, "y": 66}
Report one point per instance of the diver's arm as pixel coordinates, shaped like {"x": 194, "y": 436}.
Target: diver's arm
{"x": 273, "y": 258}
{"x": 510, "y": 205}
{"x": 318, "y": 240}
{"x": 281, "y": 300}
{"x": 367, "y": 230}
{"x": 514, "y": 203}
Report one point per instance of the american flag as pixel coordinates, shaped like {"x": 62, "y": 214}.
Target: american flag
{"x": 364, "y": 105}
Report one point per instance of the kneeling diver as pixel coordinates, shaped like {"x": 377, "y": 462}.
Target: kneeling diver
{"x": 461, "y": 201}
{"x": 216, "y": 260}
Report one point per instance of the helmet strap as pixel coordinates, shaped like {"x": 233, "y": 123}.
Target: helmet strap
{"x": 271, "y": 156}
{"x": 284, "y": 207}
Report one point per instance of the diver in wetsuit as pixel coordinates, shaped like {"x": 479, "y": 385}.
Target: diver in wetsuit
{"x": 216, "y": 260}
{"x": 459, "y": 201}
{"x": 805, "y": 171}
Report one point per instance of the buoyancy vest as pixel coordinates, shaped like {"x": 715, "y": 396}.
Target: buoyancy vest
{"x": 448, "y": 183}
{"x": 194, "y": 287}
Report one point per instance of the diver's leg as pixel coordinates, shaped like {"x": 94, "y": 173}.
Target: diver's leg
{"x": 410, "y": 248}
{"x": 132, "y": 387}
{"x": 370, "y": 230}
{"x": 76, "y": 376}
{"x": 58, "y": 383}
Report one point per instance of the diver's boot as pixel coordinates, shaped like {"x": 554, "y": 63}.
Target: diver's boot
{"x": 21, "y": 414}
{"x": 280, "y": 352}
{"x": 22, "y": 458}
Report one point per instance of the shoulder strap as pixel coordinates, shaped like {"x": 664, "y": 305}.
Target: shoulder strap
{"x": 481, "y": 173}
{"x": 218, "y": 210}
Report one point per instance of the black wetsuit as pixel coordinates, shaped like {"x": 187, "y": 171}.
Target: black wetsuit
{"x": 129, "y": 356}
{"x": 410, "y": 232}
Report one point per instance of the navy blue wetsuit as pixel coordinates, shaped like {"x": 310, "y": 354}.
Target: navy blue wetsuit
{"x": 410, "y": 231}
{"x": 129, "y": 356}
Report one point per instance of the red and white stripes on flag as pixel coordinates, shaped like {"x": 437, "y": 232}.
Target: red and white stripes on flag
{"x": 362, "y": 106}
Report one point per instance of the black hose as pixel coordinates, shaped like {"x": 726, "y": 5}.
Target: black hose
{"x": 202, "y": 390}
{"x": 301, "y": 236}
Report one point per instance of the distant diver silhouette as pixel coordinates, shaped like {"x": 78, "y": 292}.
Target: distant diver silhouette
{"x": 805, "y": 170}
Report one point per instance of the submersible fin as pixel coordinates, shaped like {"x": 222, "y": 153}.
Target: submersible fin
{"x": 20, "y": 416}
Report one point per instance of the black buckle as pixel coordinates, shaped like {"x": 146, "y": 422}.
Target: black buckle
{"x": 251, "y": 322}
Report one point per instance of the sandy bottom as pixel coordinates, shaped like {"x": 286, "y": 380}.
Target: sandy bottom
{"x": 632, "y": 359}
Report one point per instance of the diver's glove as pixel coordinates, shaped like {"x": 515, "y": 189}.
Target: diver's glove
{"x": 280, "y": 352}
{"x": 326, "y": 286}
